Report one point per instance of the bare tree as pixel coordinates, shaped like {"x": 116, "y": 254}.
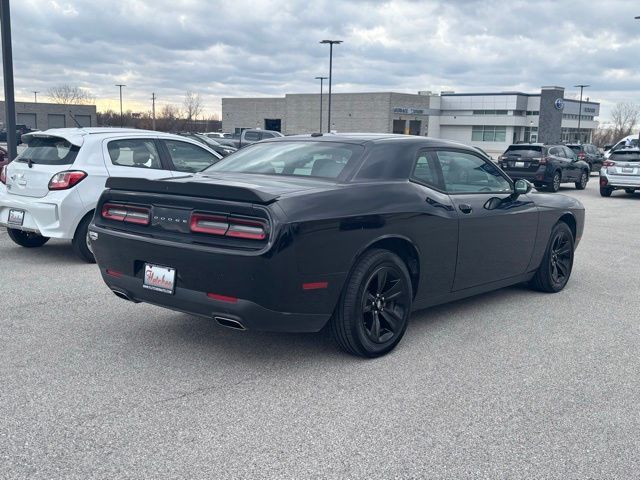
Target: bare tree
{"x": 192, "y": 106}
{"x": 68, "y": 95}
{"x": 624, "y": 118}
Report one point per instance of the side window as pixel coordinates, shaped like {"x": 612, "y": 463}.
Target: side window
{"x": 134, "y": 152}
{"x": 189, "y": 158}
{"x": 252, "y": 136}
{"x": 466, "y": 173}
{"x": 425, "y": 170}
{"x": 570, "y": 154}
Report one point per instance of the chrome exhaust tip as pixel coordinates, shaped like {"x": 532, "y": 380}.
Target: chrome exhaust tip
{"x": 123, "y": 295}
{"x": 229, "y": 323}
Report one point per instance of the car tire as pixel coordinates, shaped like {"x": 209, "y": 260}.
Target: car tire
{"x": 81, "y": 243}
{"x": 630, "y": 191}
{"x": 584, "y": 179}
{"x": 605, "y": 192}
{"x": 26, "y": 239}
{"x": 555, "y": 269}
{"x": 554, "y": 186}
{"x": 367, "y": 322}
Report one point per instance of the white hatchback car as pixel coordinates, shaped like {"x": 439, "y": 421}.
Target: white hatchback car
{"x": 51, "y": 189}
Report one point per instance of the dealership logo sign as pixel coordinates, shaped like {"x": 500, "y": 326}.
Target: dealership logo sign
{"x": 559, "y": 103}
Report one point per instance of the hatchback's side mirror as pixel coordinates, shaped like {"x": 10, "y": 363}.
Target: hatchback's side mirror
{"x": 522, "y": 187}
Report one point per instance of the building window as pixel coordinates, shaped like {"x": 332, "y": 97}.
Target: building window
{"x": 530, "y": 134}
{"x": 490, "y": 112}
{"x": 533, "y": 112}
{"x": 488, "y": 133}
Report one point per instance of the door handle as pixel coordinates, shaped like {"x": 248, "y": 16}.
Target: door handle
{"x": 465, "y": 208}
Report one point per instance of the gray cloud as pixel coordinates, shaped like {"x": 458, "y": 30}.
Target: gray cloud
{"x": 271, "y": 47}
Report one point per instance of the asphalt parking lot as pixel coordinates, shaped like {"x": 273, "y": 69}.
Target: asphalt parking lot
{"x": 511, "y": 384}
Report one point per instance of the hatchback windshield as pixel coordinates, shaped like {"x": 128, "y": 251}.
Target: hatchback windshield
{"x": 575, "y": 148}
{"x": 305, "y": 159}
{"x": 524, "y": 151}
{"x": 49, "y": 151}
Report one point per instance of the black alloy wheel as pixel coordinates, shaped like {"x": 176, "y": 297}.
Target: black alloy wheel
{"x": 373, "y": 312}
{"x": 384, "y": 304}
{"x": 584, "y": 179}
{"x": 605, "y": 191}
{"x": 557, "y": 264}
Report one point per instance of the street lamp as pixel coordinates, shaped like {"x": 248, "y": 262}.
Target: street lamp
{"x": 35, "y": 96}
{"x": 322, "y": 79}
{"x": 331, "y": 44}
{"x": 120, "y": 85}
{"x": 582, "y": 87}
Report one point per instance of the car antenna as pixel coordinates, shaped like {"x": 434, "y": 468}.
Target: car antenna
{"x": 74, "y": 120}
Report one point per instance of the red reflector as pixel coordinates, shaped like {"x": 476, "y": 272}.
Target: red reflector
{"x": 114, "y": 273}
{"x": 315, "y": 285}
{"x": 223, "y": 298}
{"x": 603, "y": 181}
{"x": 3, "y": 174}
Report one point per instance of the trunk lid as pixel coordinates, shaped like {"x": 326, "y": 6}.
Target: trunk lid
{"x": 625, "y": 163}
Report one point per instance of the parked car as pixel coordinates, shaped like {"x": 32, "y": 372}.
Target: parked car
{"x": 21, "y": 129}
{"x": 546, "y": 166}
{"x": 589, "y": 153}
{"x": 52, "y": 187}
{"x": 621, "y": 172}
{"x": 214, "y": 145}
{"x": 355, "y": 230}
{"x": 251, "y": 136}
{"x": 630, "y": 141}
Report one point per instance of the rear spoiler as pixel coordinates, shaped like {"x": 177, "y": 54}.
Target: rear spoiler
{"x": 192, "y": 189}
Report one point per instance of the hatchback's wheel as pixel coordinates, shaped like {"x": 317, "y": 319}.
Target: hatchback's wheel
{"x": 554, "y": 186}
{"x": 374, "y": 308}
{"x": 26, "y": 239}
{"x": 630, "y": 191}
{"x": 605, "y": 191}
{"x": 81, "y": 241}
{"x": 555, "y": 269}
{"x": 584, "y": 179}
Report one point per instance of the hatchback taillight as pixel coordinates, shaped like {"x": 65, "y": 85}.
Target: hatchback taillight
{"x": 608, "y": 163}
{"x": 229, "y": 226}
{"x": 66, "y": 179}
{"x": 126, "y": 213}
{"x": 3, "y": 174}
{"x": 581, "y": 155}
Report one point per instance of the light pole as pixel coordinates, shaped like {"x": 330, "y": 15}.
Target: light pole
{"x": 7, "y": 71}
{"x": 120, "y": 85}
{"x": 331, "y": 44}
{"x": 582, "y": 87}
{"x": 322, "y": 79}
{"x": 153, "y": 110}
{"x": 35, "y": 96}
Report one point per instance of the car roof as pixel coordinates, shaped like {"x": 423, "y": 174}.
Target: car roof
{"x": 77, "y": 136}
{"x": 369, "y": 138}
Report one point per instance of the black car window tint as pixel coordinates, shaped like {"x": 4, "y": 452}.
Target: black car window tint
{"x": 134, "y": 152}
{"x": 425, "y": 171}
{"x": 189, "y": 158}
{"x": 467, "y": 173}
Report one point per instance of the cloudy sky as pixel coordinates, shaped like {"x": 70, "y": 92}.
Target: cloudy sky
{"x": 268, "y": 48}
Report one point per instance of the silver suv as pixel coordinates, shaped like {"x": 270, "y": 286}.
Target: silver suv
{"x": 621, "y": 171}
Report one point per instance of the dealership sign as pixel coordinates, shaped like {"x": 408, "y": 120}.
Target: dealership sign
{"x": 409, "y": 111}
{"x": 559, "y": 103}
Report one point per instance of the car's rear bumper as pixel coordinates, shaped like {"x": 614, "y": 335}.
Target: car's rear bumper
{"x": 260, "y": 291}
{"x": 54, "y": 216}
{"x": 537, "y": 176}
{"x": 621, "y": 181}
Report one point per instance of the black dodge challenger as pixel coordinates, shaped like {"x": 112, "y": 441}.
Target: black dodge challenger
{"x": 352, "y": 230}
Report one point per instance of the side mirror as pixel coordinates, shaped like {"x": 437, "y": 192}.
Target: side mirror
{"x": 522, "y": 187}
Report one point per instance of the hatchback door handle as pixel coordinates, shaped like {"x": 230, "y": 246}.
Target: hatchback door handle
{"x": 465, "y": 208}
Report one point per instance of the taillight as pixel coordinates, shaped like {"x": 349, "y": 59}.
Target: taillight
{"x": 3, "y": 174}
{"x": 126, "y": 213}
{"x": 581, "y": 155}
{"x": 608, "y": 163}
{"x": 544, "y": 160}
{"x": 229, "y": 226}
{"x": 66, "y": 179}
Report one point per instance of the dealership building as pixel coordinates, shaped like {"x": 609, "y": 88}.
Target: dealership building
{"x": 41, "y": 116}
{"x": 491, "y": 121}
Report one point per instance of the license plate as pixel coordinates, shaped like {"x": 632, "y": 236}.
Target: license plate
{"x": 519, "y": 164}
{"x": 158, "y": 278}
{"x": 16, "y": 217}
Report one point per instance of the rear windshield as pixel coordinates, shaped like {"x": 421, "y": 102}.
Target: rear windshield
{"x": 575, "y": 148}
{"x": 303, "y": 159}
{"x": 524, "y": 151}
{"x": 49, "y": 151}
{"x": 623, "y": 156}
